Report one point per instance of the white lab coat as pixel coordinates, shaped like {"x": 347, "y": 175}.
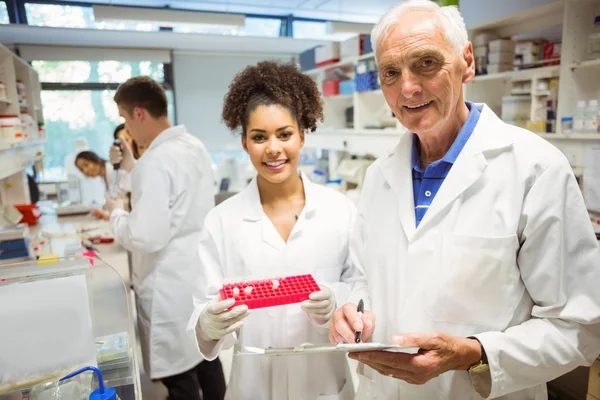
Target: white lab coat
{"x": 171, "y": 195}
{"x": 506, "y": 252}
{"x": 240, "y": 241}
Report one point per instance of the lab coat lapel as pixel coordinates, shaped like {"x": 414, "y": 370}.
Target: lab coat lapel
{"x": 254, "y": 214}
{"x": 486, "y": 141}
{"x": 397, "y": 172}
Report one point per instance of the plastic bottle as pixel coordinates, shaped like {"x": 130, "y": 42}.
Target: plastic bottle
{"x": 594, "y": 40}
{"x": 579, "y": 117}
{"x": 590, "y": 124}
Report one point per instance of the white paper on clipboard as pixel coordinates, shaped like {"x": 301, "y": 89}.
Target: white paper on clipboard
{"x": 325, "y": 348}
{"x": 46, "y": 328}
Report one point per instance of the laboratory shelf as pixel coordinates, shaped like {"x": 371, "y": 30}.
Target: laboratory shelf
{"x": 586, "y": 64}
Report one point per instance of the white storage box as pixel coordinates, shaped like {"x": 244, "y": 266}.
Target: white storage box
{"x": 352, "y": 47}
{"x": 481, "y": 51}
{"x": 502, "y": 45}
{"x": 497, "y": 68}
{"x": 483, "y": 39}
{"x": 327, "y": 54}
{"x": 501, "y": 58}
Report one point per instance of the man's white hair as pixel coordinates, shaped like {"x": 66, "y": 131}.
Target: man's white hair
{"x": 449, "y": 18}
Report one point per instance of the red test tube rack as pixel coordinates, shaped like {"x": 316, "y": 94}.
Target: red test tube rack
{"x": 270, "y": 292}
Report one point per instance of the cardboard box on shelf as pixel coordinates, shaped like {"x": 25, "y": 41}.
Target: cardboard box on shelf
{"x": 502, "y": 45}
{"x": 497, "y": 68}
{"x": 327, "y": 54}
{"x": 551, "y": 51}
{"x": 501, "y": 58}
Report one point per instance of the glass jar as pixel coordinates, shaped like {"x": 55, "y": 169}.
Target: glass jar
{"x": 11, "y": 128}
{"x": 567, "y": 125}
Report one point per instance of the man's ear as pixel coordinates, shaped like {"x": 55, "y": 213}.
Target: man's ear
{"x": 469, "y": 59}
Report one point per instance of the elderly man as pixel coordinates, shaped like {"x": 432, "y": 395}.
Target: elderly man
{"x": 476, "y": 242}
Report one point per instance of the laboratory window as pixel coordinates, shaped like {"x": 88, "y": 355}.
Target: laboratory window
{"x": 253, "y": 26}
{"x": 70, "y": 16}
{"x": 77, "y": 101}
{"x": 4, "y": 19}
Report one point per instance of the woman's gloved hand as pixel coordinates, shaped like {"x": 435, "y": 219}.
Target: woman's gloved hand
{"x": 123, "y": 155}
{"x": 217, "y": 321}
{"x": 320, "y": 305}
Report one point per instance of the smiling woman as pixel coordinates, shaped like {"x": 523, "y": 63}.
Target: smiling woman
{"x": 280, "y": 225}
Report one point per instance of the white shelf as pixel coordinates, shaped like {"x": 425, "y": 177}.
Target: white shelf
{"x": 570, "y": 136}
{"x": 342, "y": 63}
{"x": 339, "y": 97}
{"x": 492, "y": 77}
{"x": 522, "y": 75}
{"x": 544, "y": 93}
{"x": 376, "y": 142}
{"x": 16, "y": 157}
{"x": 5, "y": 101}
{"x": 586, "y": 64}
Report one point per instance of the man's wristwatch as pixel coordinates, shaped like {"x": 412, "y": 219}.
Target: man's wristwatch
{"x": 482, "y": 365}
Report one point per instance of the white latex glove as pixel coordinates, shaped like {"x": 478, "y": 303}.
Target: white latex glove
{"x": 216, "y": 320}
{"x": 320, "y": 305}
{"x": 122, "y": 154}
{"x": 114, "y": 204}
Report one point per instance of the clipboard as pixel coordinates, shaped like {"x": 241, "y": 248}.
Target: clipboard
{"x": 309, "y": 348}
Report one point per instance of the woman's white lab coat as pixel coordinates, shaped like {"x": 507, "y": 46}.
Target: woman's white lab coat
{"x": 506, "y": 252}
{"x": 172, "y": 191}
{"x": 239, "y": 241}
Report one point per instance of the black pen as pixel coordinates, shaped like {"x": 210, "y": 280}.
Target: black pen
{"x": 359, "y": 309}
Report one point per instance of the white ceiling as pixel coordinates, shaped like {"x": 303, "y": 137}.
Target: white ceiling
{"x": 336, "y": 10}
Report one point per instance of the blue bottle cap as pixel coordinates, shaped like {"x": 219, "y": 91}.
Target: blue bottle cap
{"x": 109, "y": 394}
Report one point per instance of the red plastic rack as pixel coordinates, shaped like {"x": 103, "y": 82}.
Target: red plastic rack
{"x": 291, "y": 289}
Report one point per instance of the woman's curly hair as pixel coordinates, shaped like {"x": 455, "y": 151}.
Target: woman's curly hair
{"x": 272, "y": 83}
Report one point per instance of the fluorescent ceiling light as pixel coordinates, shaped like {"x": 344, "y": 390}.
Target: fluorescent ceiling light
{"x": 166, "y": 17}
{"x": 348, "y": 27}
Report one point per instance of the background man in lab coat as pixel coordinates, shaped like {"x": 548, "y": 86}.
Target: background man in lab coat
{"x": 171, "y": 194}
{"x": 476, "y": 241}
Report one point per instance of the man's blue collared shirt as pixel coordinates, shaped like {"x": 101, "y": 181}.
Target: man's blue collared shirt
{"x": 427, "y": 182}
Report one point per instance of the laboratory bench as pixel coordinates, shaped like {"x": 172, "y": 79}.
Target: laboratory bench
{"x": 110, "y": 297}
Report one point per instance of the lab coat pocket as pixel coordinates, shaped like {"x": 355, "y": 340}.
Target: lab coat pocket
{"x": 347, "y": 393}
{"x": 477, "y": 281}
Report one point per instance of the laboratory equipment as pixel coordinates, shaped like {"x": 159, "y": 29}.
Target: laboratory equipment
{"x": 579, "y": 117}
{"x": 116, "y": 167}
{"x": 31, "y": 214}
{"x": 567, "y": 125}
{"x": 594, "y": 40}
{"x": 352, "y": 172}
{"x": 264, "y": 293}
{"x": 590, "y": 123}
{"x": 73, "y": 387}
{"x": 99, "y": 332}
{"x": 15, "y": 243}
{"x": 11, "y": 128}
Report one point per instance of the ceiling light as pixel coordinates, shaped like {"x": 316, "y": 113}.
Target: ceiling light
{"x": 166, "y": 17}
{"x": 334, "y": 27}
